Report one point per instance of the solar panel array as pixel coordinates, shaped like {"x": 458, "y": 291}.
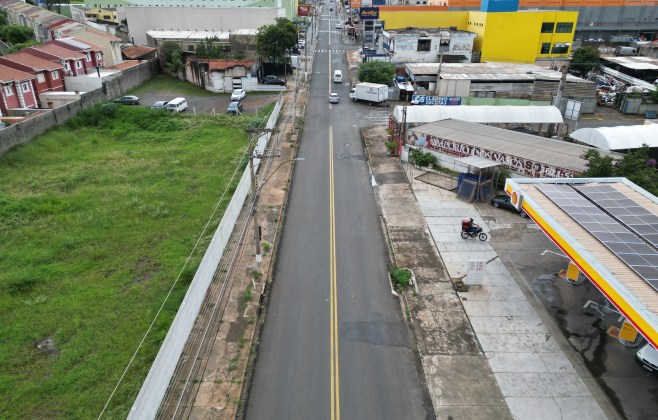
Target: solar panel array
{"x": 625, "y": 230}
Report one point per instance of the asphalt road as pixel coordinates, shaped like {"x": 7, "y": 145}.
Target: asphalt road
{"x": 581, "y": 312}
{"x": 334, "y": 343}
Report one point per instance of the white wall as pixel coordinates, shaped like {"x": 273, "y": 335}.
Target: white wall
{"x": 143, "y": 19}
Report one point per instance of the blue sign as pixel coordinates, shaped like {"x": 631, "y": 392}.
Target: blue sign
{"x": 369, "y": 13}
{"x": 436, "y": 100}
{"x": 378, "y": 2}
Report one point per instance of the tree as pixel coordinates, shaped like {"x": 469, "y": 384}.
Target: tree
{"x": 3, "y": 17}
{"x": 272, "y": 41}
{"x": 16, "y": 34}
{"x": 636, "y": 165}
{"x": 172, "y": 57}
{"x": 377, "y": 72}
{"x": 55, "y": 5}
{"x": 585, "y": 59}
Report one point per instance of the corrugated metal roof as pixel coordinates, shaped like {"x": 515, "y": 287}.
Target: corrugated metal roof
{"x": 172, "y": 34}
{"x": 490, "y": 71}
{"x": 618, "y": 138}
{"x": 477, "y": 162}
{"x": 635, "y": 63}
{"x": 552, "y": 152}
{"x": 484, "y": 114}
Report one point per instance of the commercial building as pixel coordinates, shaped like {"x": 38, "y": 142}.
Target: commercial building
{"x": 598, "y": 20}
{"x": 428, "y": 45}
{"x": 502, "y": 35}
{"x": 499, "y": 80}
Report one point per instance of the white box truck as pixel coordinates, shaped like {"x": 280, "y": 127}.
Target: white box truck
{"x": 373, "y": 93}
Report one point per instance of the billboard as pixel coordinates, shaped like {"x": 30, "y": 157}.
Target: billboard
{"x": 303, "y": 10}
{"x": 371, "y": 13}
{"x": 355, "y": 4}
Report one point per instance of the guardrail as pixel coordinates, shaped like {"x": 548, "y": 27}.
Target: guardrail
{"x": 155, "y": 385}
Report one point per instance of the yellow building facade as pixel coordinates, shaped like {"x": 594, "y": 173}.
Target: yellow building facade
{"x": 102, "y": 15}
{"x": 513, "y": 37}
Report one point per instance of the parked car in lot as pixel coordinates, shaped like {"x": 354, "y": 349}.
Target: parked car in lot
{"x": 127, "y": 100}
{"x": 238, "y": 95}
{"x": 273, "y": 80}
{"x": 159, "y": 105}
{"x": 234, "y": 108}
{"x": 647, "y": 356}
{"x": 503, "y": 201}
{"x": 333, "y": 98}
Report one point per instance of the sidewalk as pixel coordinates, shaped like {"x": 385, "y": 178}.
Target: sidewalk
{"x": 486, "y": 353}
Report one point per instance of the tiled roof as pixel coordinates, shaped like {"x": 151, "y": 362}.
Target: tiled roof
{"x": 136, "y": 51}
{"x": 125, "y": 65}
{"x": 101, "y": 33}
{"x": 226, "y": 64}
{"x": 7, "y": 74}
{"x": 37, "y": 63}
{"x": 81, "y": 44}
{"x": 58, "y": 51}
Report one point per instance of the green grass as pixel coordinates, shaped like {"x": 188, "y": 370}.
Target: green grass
{"x": 163, "y": 82}
{"x": 96, "y": 221}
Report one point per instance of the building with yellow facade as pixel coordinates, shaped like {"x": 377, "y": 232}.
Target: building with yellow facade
{"x": 505, "y": 36}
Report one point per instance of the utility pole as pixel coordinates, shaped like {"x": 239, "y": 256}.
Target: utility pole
{"x": 254, "y": 190}
{"x": 438, "y": 76}
{"x": 558, "y": 95}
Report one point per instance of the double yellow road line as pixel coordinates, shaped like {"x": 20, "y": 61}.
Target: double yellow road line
{"x": 333, "y": 305}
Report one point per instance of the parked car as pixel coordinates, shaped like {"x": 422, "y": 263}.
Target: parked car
{"x": 127, "y": 100}
{"x": 177, "y": 105}
{"x": 238, "y": 94}
{"x": 159, "y": 105}
{"x": 333, "y": 98}
{"x": 647, "y": 356}
{"x": 503, "y": 201}
{"x": 234, "y": 108}
{"x": 273, "y": 80}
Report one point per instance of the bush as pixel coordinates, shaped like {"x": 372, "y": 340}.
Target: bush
{"x": 391, "y": 145}
{"x": 424, "y": 160}
{"x": 401, "y": 278}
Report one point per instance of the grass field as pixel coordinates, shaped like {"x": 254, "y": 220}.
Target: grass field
{"x": 96, "y": 222}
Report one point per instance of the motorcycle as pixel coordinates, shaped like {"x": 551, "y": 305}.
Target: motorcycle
{"x": 477, "y": 233}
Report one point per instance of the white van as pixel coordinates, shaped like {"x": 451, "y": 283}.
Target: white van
{"x": 177, "y": 105}
{"x": 338, "y": 76}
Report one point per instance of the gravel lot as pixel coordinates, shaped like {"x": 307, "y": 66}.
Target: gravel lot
{"x": 205, "y": 103}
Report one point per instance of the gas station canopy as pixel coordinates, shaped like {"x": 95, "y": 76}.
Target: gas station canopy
{"x": 608, "y": 227}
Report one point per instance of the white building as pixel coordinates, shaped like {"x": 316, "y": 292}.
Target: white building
{"x": 428, "y": 45}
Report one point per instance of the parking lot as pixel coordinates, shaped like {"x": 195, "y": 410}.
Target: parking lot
{"x": 206, "y": 102}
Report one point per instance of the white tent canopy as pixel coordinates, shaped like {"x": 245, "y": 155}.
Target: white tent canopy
{"x": 618, "y": 138}
{"x": 483, "y": 114}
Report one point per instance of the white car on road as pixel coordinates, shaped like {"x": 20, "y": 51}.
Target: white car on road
{"x": 238, "y": 95}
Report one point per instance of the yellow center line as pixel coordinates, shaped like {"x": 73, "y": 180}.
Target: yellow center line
{"x": 333, "y": 305}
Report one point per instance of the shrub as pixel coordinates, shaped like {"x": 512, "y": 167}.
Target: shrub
{"x": 401, "y": 278}
{"x": 391, "y": 145}
{"x": 422, "y": 159}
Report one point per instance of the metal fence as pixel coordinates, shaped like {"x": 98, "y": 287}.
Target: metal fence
{"x": 155, "y": 385}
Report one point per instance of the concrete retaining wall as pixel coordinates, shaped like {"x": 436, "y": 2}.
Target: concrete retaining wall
{"x": 113, "y": 86}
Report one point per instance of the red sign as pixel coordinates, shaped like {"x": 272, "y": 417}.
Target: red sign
{"x": 303, "y": 10}
{"x": 355, "y": 4}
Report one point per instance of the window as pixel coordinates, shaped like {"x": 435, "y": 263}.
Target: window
{"x": 67, "y": 66}
{"x": 78, "y": 64}
{"x": 54, "y": 74}
{"x": 88, "y": 56}
{"x": 99, "y": 56}
{"x": 547, "y": 27}
{"x": 41, "y": 78}
{"x": 25, "y": 86}
{"x": 9, "y": 91}
{"x": 545, "y": 48}
{"x": 190, "y": 48}
{"x": 560, "y": 49}
{"x": 564, "y": 28}
{"x": 424, "y": 44}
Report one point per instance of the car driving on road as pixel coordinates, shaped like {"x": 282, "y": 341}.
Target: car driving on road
{"x": 503, "y": 202}
{"x": 333, "y": 98}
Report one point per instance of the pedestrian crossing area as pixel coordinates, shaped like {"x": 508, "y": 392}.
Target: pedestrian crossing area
{"x": 376, "y": 117}
{"x": 331, "y": 51}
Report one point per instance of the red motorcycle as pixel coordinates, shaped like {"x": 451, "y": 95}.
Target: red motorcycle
{"x": 476, "y": 231}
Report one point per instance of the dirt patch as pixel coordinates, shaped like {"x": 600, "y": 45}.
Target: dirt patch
{"x": 144, "y": 270}
{"x": 47, "y": 345}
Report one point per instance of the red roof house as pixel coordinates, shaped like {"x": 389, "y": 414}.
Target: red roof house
{"x": 73, "y": 62}
{"x": 16, "y": 89}
{"x": 49, "y": 75}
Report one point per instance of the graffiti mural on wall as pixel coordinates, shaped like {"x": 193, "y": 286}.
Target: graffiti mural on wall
{"x": 514, "y": 163}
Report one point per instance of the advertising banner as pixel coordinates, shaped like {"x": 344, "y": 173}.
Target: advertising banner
{"x": 303, "y": 10}
{"x": 355, "y": 4}
{"x": 369, "y": 13}
{"x": 436, "y": 100}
